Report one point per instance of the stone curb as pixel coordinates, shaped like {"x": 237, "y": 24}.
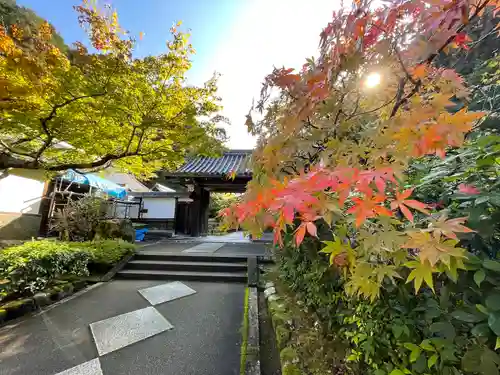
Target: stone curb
{"x": 117, "y": 268}
{"x": 41, "y": 302}
{"x": 51, "y": 298}
{"x": 281, "y": 330}
{"x": 252, "y": 365}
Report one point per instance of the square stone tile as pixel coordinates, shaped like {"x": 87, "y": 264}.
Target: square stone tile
{"x": 166, "y": 292}
{"x": 92, "y": 367}
{"x": 123, "y": 330}
{"x": 208, "y": 247}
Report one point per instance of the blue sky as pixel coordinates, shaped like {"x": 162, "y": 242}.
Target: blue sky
{"x": 240, "y": 39}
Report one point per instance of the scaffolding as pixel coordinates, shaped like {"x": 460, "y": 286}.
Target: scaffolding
{"x": 64, "y": 191}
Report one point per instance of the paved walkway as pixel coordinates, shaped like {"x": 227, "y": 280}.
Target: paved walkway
{"x": 134, "y": 327}
{"x": 207, "y": 247}
{"x": 233, "y": 237}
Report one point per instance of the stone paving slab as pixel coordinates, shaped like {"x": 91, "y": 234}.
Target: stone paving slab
{"x": 208, "y": 247}
{"x": 205, "y": 339}
{"x": 167, "y": 246}
{"x": 223, "y": 248}
{"x": 92, "y": 367}
{"x": 254, "y": 249}
{"x": 166, "y": 292}
{"x": 119, "y": 331}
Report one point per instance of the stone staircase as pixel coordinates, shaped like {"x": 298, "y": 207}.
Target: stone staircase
{"x": 188, "y": 266}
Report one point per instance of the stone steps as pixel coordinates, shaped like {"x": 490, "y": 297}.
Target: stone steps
{"x": 182, "y": 275}
{"x": 189, "y": 257}
{"x": 151, "y": 265}
{"x": 177, "y": 265}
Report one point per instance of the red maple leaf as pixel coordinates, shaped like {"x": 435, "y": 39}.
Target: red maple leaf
{"x": 403, "y": 203}
{"x": 342, "y": 180}
{"x": 461, "y": 40}
{"x": 468, "y": 189}
{"x": 379, "y": 176}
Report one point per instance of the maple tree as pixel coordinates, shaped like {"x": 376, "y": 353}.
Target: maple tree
{"x": 334, "y": 150}
{"x": 27, "y": 20}
{"x": 96, "y": 106}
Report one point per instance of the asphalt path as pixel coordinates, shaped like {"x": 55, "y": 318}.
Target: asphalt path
{"x": 205, "y": 338}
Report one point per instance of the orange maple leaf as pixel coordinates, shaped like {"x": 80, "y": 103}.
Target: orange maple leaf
{"x": 277, "y": 239}
{"x": 283, "y": 78}
{"x": 368, "y": 207}
{"x": 433, "y": 249}
{"x": 420, "y": 71}
{"x": 403, "y": 203}
{"x": 299, "y": 234}
{"x": 301, "y": 231}
{"x": 448, "y": 228}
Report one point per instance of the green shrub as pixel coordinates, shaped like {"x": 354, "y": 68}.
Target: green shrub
{"x": 35, "y": 265}
{"x": 29, "y": 268}
{"x": 107, "y": 252}
{"x": 455, "y": 330}
{"x": 115, "y": 229}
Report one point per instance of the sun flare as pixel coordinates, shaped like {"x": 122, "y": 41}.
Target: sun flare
{"x": 372, "y": 80}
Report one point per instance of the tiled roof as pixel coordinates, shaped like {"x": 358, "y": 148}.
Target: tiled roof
{"x": 230, "y": 161}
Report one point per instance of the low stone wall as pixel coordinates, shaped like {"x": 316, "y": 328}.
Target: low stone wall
{"x": 18, "y": 226}
{"x": 163, "y": 224}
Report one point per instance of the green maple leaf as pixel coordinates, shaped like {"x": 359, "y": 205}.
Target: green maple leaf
{"x": 338, "y": 247}
{"x": 421, "y": 271}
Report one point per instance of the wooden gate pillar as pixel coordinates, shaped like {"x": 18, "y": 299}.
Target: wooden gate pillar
{"x": 198, "y": 215}
{"x": 204, "y": 211}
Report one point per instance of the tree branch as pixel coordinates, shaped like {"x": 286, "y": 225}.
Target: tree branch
{"x": 134, "y": 128}
{"x": 44, "y": 121}
{"x": 98, "y": 163}
{"x": 308, "y": 120}
{"x": 96, "y": 169}
{"x": 408, "y": 75}
{"x": 374, "y": 109}
{"x": 23, "y": 140}
{"x": 479, "y": 9}
{"x": 12, "y": 151}
{"x": 139, "y": 143}
{"x": 418, "y": 84}
{"x": 52, "y": 113}
{"x": 400, "y": 100}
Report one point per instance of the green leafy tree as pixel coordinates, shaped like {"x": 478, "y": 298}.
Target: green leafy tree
{"x": 219, "y": 201}
{"x": 95, "y": 109}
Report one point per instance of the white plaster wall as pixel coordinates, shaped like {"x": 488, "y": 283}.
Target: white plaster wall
{"x": 20, "y": 194}
{"x": 159, "y": 208}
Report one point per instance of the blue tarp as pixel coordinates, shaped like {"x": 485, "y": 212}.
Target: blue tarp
{"x": 100, "y": 183}
{"x": 140, "y": 234}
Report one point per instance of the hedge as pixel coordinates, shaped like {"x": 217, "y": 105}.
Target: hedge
{"x": 36, "y": 265}
{"x": 106, "y": 252}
